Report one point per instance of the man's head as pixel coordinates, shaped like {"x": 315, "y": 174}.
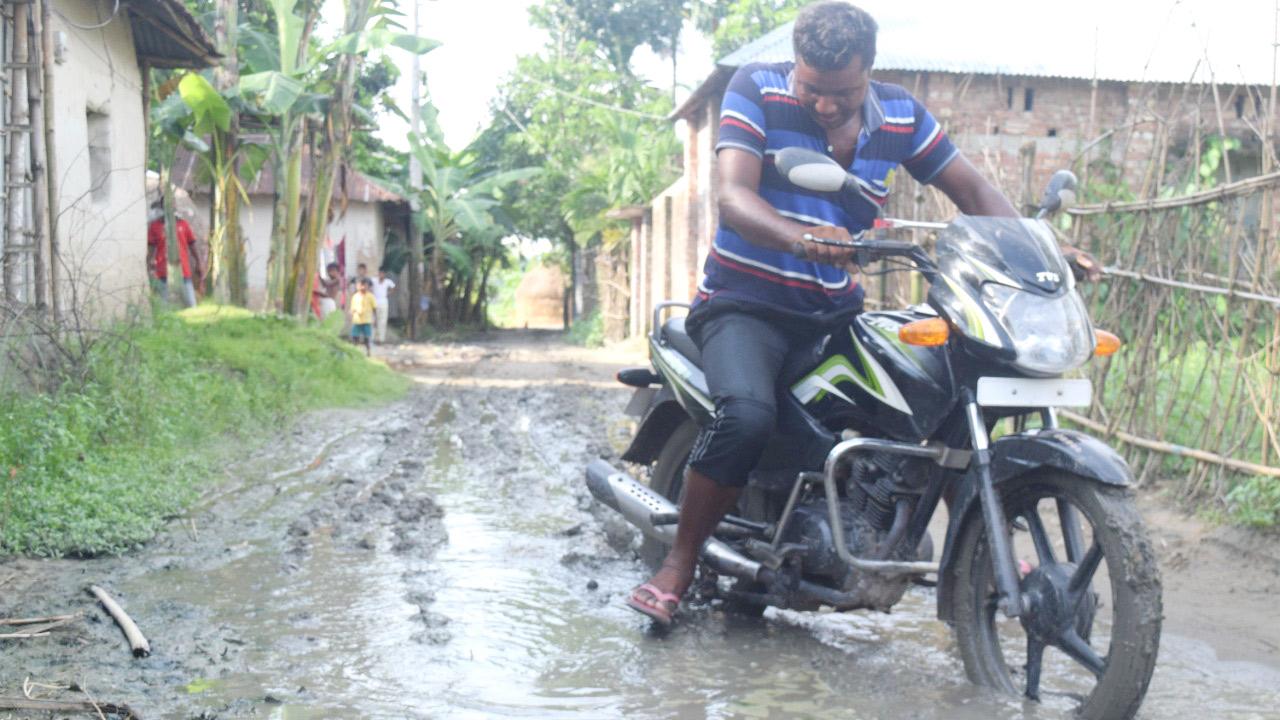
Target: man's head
{"x": 362, "y": 269}
{"x": 365, "y": 284}
{"x": 382, "y": 273}
{"x": 332, "y": 269}
{"x": 835, "y": 46}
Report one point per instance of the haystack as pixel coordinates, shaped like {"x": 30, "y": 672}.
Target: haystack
{"x": 540, "y": 298}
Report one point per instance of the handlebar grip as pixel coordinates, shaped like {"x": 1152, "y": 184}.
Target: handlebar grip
{"x": 798, "y": 249}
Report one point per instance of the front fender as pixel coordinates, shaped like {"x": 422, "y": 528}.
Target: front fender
{"x": 1013, "y": 456}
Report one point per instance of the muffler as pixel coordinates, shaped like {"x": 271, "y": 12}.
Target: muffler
{"x": 638, "y": 504}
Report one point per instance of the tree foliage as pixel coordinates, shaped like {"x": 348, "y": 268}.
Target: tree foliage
{"x": 734, "y": 23}
{"x": 600, "y": 133}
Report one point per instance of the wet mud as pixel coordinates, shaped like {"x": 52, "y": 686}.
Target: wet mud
{"x": 440, "y": 557}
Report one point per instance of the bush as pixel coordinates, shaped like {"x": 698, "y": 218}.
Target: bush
{"x": 95, "y": 466}
{"x": 1256, "y": 502}
{"x": 587, "y": 331}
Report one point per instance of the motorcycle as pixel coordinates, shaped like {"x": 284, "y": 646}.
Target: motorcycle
{"x": 891, "y": 416}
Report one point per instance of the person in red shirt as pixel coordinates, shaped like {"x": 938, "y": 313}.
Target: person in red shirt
{"x": 158, "y": 259}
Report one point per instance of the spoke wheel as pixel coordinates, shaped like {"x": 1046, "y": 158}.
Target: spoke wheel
{"x": 1091, "y": 627}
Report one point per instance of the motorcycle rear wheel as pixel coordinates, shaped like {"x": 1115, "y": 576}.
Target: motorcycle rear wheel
{"x": 667, "y": 479}
{"x": 1104, "y": 651}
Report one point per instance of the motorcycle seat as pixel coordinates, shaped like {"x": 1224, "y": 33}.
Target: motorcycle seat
{"x": 674, "y": 335}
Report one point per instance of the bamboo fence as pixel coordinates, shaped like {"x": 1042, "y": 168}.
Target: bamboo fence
{"x": 1192, "y": 286}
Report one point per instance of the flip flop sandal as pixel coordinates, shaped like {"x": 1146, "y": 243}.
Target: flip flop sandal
{"x": 654, "y": 608}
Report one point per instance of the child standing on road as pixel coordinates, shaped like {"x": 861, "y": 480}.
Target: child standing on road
{"x": 363, "y": 309}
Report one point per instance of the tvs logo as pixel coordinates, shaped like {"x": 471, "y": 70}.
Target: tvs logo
{"x": 1048, "y": 277}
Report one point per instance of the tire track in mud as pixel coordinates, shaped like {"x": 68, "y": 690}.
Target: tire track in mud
{"x": 225, "y": 608}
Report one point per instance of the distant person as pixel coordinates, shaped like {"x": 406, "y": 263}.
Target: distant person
{"x": 362, "y": 273}
{"x": 158, "y": 255}
{"x": 382, "y": 289}
{"x": 329, "y": 291}
{"x": 364, "y": 307}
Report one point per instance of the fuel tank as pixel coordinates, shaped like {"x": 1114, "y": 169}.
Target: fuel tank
{"x": 870, "y": 381}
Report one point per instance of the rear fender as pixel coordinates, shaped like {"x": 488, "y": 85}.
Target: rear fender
{"x": 659, "y": 420}
{"x": 1014, "y": 456}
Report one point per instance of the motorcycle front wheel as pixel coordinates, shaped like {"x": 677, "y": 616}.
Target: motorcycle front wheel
{"x": 1090, "y": 630}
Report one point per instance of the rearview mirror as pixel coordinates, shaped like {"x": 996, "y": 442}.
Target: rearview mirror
{"x": 810, "y": 170}
{"x": 1061, "y": 191}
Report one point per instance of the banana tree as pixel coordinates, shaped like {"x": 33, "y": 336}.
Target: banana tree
{"x": 368, "y": 25}
{"x": 460, "y": 209}
{"x": 170, "y": 124}
{"x": 309, "y": 110}
{"x": 212, "y": 118}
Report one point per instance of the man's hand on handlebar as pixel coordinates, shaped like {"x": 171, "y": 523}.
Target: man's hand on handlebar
{"x": 806, "y": 248}
{"x": 1084, "y": 266}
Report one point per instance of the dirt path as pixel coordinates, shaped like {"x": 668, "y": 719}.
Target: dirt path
{"x": 439, "y": 557}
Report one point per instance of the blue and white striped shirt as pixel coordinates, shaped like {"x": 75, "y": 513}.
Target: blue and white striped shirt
{"x": 761, "y": 115}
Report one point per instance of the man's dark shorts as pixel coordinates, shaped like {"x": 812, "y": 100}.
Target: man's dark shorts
{"x": 362, "y": 330}
{"x": 743, "y": 351}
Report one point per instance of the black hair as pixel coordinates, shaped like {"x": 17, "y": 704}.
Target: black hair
{"x": 366, "y": 282}
{"x": 332, "y": 266}
{"x": 362, "y": 265}
{"x": 830, "y": 33}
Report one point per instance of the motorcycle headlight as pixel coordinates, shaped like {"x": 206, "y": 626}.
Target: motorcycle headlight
{"x": 1051, "y": 335}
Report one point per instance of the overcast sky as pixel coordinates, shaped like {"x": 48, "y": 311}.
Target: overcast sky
{"x": 482, "y": 39}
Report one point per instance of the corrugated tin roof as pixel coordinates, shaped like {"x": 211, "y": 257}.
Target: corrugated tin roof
{"x": 165, "y": 35}
{"x": 1169, "y": 42}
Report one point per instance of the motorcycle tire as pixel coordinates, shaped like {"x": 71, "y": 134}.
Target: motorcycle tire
{"x": 1134, "y": 600}
{"x": 667, "y": 479}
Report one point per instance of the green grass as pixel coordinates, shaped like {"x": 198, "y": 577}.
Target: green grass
{"x": 1185, "y": 394}
{"x": 96, "y": 467}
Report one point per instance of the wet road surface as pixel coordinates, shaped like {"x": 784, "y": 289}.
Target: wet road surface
{"x": 441, "y": 558}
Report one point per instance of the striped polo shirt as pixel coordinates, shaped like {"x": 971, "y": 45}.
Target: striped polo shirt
{"x": 761, "y": 115}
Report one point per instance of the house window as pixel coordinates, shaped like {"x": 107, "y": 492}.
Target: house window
{"x": 1028, "y": 99}
{"x": 1239, "y": 105}
{"x": 1053, "y": 132}
{"x": 1010, "y": 100}
{"x": 99, "y": 131}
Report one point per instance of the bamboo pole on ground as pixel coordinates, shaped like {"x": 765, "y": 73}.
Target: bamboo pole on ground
{"x": 62, "y": 706}
{"x": 137, "y": 642}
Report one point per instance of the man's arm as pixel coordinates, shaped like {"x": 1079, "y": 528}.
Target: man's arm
{"x": 964, "y": 185}
{"x": 971, "y": 192}
{"x": 752, "y": 217}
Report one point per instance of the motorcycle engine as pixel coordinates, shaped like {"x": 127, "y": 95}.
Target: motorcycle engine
{"x": 876, "y": 482}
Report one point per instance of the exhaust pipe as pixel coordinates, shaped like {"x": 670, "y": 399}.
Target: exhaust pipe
{"x": 638, "y": 504}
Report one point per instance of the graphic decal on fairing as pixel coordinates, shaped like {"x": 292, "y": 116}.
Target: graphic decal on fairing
{"x": 978, "y": 323}
{"x": 871, "y": 377}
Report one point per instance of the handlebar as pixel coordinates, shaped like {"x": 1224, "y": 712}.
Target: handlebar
{"x": 865, "y": 252}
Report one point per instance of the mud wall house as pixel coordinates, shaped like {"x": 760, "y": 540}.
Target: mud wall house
{"x": 366, "y": 217}
{"x": 1017, "y": 118}
{"x": 73, "y": 103}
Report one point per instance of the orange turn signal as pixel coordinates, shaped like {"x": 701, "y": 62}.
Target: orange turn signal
{"x": 1105, "y": 343}
{"x": 925, "y": 333}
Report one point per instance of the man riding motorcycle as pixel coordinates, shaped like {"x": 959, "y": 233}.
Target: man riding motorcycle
{"x": 769, "y": 272}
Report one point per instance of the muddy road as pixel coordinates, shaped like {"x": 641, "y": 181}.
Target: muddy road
{"x": 440, "y": 557}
